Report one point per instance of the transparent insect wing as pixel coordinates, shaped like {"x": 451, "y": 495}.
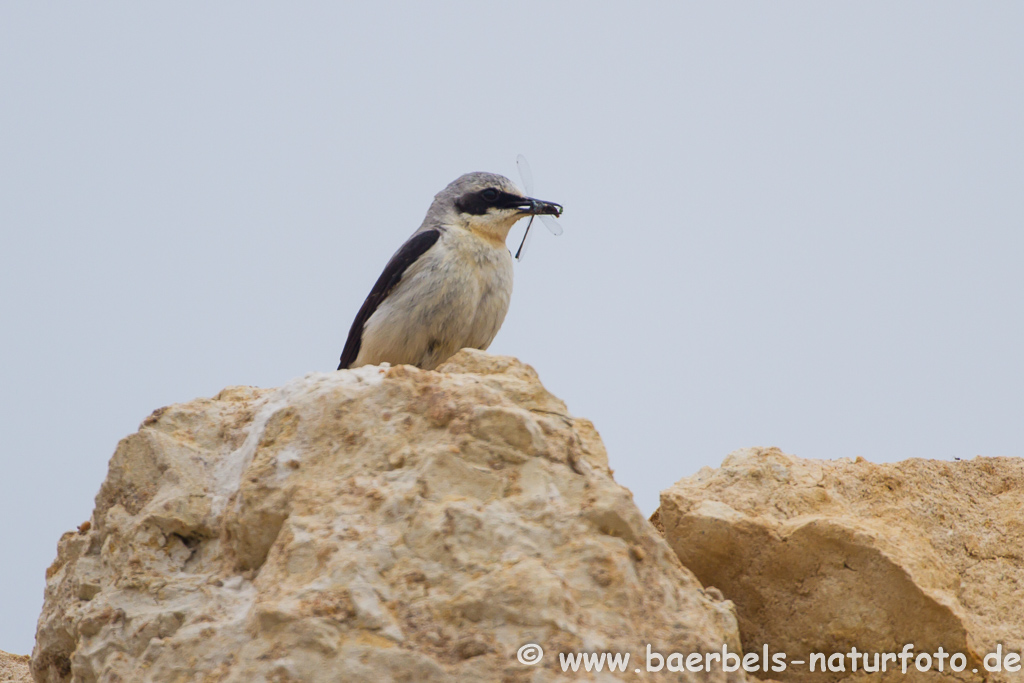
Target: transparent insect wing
{"x": 551, "y": 224}
{"x": 525, "y": 174}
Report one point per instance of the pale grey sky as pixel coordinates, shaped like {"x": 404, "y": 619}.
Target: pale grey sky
{"x": 789, "y": 224}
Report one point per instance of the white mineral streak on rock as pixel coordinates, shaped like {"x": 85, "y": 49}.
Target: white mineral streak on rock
{"x": 228, "y": 474}
{"x": 382, "y": 524}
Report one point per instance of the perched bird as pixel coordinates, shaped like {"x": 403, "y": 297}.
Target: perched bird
{"x": 449, "y": 285}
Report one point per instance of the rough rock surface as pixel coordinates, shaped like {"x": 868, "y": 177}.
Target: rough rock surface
{"x": 368, "y": 525}
{"x": 14, "y": 668}
{"x": 819, "y": 556}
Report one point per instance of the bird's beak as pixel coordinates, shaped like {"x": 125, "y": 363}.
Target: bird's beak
{"x": 536, "y": 207}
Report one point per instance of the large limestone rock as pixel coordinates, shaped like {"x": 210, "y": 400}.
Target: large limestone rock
{"x": 820, "y": 556}
{"x": 371, "y": 525}
{"x": 14, "y": 668}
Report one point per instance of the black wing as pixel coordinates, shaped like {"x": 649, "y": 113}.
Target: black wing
{"x": 393, "y": 271}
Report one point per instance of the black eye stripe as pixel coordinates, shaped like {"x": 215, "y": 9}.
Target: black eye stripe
{"x": 477, "y": 203}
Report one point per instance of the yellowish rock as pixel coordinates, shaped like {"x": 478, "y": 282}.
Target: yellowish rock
{"x": 14, "y": 668}
{"x": 822, "y": 556}
{"x": 379, "y": 524}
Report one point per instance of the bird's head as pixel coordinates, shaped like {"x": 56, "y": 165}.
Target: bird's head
{"x": 487, "y": 204}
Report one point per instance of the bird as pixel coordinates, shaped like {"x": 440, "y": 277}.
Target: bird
{"x": 448, "y": 287}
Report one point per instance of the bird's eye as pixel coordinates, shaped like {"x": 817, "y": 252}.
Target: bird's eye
{"x": 490, "y": 194}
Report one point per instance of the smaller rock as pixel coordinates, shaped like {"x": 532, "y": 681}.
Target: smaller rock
{"x": 821, "y": 556}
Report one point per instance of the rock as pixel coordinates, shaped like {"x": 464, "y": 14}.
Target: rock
{"x": 819, "y": 556}
{"x": 14, "y": 668}
{"x": 379, "y": 524}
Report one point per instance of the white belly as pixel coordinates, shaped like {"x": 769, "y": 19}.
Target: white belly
{"x": 455, "y": 296}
